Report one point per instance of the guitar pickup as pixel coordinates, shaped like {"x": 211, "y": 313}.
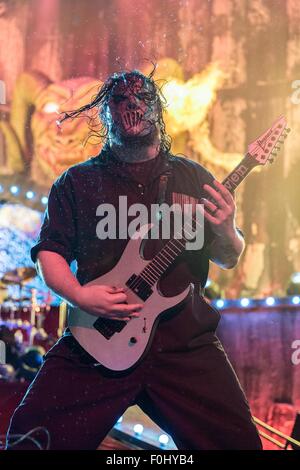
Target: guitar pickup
{"x": 108, "y": 327}
{"x": 139, "y": 286}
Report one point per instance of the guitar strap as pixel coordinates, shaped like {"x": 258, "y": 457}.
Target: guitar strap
{"x": 163, "y": 183}
{"x": 162, "y": 189}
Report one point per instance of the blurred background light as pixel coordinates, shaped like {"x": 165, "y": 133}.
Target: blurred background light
{"x": 30, "y": 194}
{"x": 14, "y": 189}
{"x": 270, "y": 301}
{"x": 293, "y": 286}
{"x": 245, "y": 302}
{"x": 296, "y": 300}
{"x": 138, "y": 428}
{"x": 163, "y": 439}
{"x": 220, "y": 303}
{"x": 44, "y": 200}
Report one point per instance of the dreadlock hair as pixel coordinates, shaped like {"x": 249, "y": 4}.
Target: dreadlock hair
{"x": 100, "y": 102}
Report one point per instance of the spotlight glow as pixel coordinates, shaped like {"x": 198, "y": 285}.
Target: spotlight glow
{"x": 245, "y": 302}
{"x": 44, "y": 200}
{"x": 296, "y": 300}
{"x": 270, "y": 301}
{"x": 295, "y": 278}
{"x": 30, "y": 194}
{"x": 14, "y": 189}
{"x": 51, "y": 107}
{"x": 163, "y": 439}
{"x": 220, "y": 303}
{"x": 138, "y": 428}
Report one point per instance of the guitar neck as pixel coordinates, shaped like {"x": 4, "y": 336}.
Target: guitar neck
{"x": 240, "y": 172}
{"x": 174, "y": 247}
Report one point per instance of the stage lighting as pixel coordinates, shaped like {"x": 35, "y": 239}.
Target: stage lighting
{"x": 270, "y": 301}
{"x": 163, "y": 439}
{"x": 14, "y": 189}
{"x": 44, "y": 200}
{"x": 51, "y": 108}
{"x": 293, "y": 287}
{"x": 30, "y": 194}
{"x": 120, "y": 420}
{"x": 296, "y": 300}
{"x": 295, "y": 278}
{"x": 220, "y": 303}
{"x": 245, "y": 302}
{"x": 138, "y": 429}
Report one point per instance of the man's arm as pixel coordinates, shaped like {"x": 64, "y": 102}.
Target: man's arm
{"x": 228, "y": 244}
{"x": 226, "y": 251}
{"x": 57, "y": 275}
{"x": 98, "y": 300}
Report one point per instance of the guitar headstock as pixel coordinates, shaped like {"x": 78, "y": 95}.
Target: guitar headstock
{"x": 266, "y": 146}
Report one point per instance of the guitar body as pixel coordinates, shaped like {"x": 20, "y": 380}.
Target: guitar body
{"x": 123, "y": 349}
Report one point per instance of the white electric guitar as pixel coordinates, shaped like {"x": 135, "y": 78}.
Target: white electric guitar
{"x": 119, "y": 345}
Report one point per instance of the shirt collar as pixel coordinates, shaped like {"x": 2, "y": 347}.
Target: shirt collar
{"x": 107, "y": 160}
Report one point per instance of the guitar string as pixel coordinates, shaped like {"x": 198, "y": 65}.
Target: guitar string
{"x": 149, "y": 270}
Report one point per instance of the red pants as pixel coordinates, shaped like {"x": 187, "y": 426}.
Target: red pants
{"x": 194, "y": 395}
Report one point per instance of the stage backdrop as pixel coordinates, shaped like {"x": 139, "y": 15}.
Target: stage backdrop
{"x": 232, "y": 67}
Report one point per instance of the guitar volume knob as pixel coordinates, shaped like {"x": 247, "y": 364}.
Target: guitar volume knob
{"x": 133, "y": 340}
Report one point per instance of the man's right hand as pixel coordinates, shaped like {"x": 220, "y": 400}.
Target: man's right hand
{"x": 106, "y": 301}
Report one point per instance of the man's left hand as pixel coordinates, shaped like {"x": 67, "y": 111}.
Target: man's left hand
{"x": 220, "y": 212}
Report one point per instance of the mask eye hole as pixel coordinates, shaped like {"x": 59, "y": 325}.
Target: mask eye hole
{"x": 148, "y": 98}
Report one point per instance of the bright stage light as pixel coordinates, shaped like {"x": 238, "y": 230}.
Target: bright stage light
{"x": 14, "y": 189}
{"x": 296, "y": 300}
{"x": 138, "y": 428}
{"x": 245, "y": 302}
{"x": 270, "y": 301}
{"x": 51, "y": 108}
{"x": 295, "y": 278}
{"x": 220, "y": 303}
{"x": 163, "y": 439}
{"x": 44, "y": 200}
{"x": 293, "y": 286}
{"x": 30, "y": 194}
{"x": 120, "y": 420}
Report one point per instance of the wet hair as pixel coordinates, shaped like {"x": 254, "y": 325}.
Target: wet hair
{"x": 101, "y": 99}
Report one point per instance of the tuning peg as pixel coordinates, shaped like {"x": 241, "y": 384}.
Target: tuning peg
{"x": 287, "y": 129}
{"x": 274, "y": 154}
{"x": 276, "y": 148}
{"x": 281, "y": 141}
{"x": 271, "y": 160}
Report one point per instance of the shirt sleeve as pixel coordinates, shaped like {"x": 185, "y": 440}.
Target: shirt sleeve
{"x": 58, "y": 230}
